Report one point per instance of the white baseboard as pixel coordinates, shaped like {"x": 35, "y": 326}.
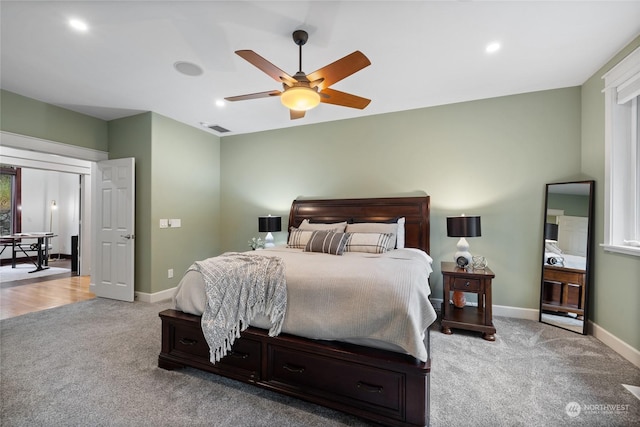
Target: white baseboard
{"x": 501, "y": 310}
{"x": 607, "y": 338}
{"x": 615, "y": 343}
{"x": 517, "y": 312}
{"x": 157, "y": 296}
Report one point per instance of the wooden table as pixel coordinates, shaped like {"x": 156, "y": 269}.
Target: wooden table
{"x": 478, "y": 318}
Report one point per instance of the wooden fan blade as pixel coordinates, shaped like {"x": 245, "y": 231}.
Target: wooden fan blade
{"x": 254, "y": 95}
{"x": 295, "y": 114}
{"x": 344, "y": 99}
{"x": 271, "y": 70}
{"x": 340, "y": 69}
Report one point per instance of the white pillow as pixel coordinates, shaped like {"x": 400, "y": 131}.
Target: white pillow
{"x": 336, "y": 227}
{"x": 400, "y": 235}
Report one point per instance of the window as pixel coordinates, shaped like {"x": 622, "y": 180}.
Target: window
{"x": 10, "y": 200}
{"x": 622, "y": 157}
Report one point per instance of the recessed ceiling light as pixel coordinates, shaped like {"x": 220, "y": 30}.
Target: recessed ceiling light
{"x": 78, "y": 25}
{"x": 187, "y": 68}
{"x": 220, "y": 103}
{"x": 493, "y": 47}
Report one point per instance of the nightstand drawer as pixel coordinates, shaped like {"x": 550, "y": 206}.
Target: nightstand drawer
{"x": 466, "y": 285}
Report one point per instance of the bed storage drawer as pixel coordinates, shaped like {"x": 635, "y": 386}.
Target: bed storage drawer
{"x": 183, "y": 340}
{"x": 187, "y": 339}
{"x": 377, "y": 389}
{"x": 245, "y": 354}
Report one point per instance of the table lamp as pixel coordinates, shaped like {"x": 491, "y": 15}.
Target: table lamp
{"x": 269, "y": 224}
{"x": 551, "y": 231}
{"x": 463, "y": 226}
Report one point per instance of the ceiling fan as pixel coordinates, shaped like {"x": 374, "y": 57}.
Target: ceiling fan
{"x": 302, "y": 92}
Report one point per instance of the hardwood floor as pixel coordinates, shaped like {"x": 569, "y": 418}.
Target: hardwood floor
{"x": 26, "y": 296}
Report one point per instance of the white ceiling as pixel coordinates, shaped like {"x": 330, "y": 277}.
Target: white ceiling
{"x": 423, "y": 53}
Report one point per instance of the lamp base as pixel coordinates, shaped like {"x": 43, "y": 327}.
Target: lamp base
{"x": 462, "y": 252}
{"x": 268, "y": 240}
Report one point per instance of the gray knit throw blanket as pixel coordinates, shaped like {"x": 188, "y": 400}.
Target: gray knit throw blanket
{"x": 239, "y": 286}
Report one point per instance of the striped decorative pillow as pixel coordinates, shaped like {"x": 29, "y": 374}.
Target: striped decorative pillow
{"x": 327, "y": 242}
{"x": 376, "y": 227}
{"x": 298, "y": 238}
{"x": 375, "y": 243}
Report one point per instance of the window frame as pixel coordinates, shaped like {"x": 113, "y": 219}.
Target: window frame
{"x": 622, "y": 156}
{"x": 16, "y": 196}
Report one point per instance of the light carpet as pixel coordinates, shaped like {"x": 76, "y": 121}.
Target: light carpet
{"x": 21, "y": 272}
{"x": 94, "y": 363}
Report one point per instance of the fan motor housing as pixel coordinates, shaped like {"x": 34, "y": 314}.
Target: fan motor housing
{"x": 300, "y": 37}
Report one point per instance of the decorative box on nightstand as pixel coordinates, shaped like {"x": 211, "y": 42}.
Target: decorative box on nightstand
{"x": 478, "y": 318}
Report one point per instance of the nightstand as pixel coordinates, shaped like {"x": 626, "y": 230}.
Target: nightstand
{"x": 472, "y": 318}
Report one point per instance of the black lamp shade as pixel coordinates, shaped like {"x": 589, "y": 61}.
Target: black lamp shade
{"x": 551, "y": 231}
{"x": 268, "y": 224}
{"x": 463, "y": 226}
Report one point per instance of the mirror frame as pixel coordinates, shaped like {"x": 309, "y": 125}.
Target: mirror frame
{"x": 589, "y": 251}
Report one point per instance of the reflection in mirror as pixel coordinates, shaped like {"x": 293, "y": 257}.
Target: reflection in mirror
{"x": 568, "y": 224}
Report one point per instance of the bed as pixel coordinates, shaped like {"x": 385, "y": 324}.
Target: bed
{"x": 379, "y": 381}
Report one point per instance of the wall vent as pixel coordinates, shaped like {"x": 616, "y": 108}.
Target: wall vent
{"x": 218, "y": 128}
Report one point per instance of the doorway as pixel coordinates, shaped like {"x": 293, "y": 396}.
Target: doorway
{"x": 34, "y": 153}
{"x": 42, "y": 155}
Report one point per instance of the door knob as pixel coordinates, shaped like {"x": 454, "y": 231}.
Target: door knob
{"x": 127, "y": 236}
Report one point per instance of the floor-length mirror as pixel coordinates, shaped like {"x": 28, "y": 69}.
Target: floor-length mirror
{"x": 567, "y": 235}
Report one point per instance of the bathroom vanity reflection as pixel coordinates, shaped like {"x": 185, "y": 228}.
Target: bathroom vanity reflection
{"x": 568, "y": 225}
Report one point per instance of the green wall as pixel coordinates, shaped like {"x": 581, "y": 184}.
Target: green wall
{"x": 177, "y": 176}
{"x": 570, "y": 204}
{"x": 185, "y": 184}
{"x": 26, "y": 116}
{"x": 490, "y": 158}
{"x": 615, "y": 294}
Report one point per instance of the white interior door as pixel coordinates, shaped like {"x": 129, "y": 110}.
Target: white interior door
{"x": 113, "y": 207}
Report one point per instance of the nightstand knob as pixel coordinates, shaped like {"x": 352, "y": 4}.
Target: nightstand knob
{"x": 467, "y": 284}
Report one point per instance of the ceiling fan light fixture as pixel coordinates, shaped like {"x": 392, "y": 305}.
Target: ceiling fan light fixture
{"x": 300, "y": 98}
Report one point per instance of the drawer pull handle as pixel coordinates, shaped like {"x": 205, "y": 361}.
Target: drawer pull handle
{"x": 292, "y": 368}
{"x": 187, "y": 341}
{"x": 370, "y": 388}
{"x": 238, "y": 355}
{"x": 467, "y": 284}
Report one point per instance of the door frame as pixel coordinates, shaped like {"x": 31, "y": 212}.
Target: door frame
{"x": 36, "y": 153}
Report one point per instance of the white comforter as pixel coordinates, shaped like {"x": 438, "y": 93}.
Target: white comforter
{"x": 379, "y": 300}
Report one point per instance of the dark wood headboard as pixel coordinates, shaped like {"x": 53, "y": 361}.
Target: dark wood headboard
{"x": 414, "y": 209}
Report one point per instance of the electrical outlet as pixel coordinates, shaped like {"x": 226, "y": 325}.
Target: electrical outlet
{"x": 164, "y": 223}
{"x": 170, "y": 273}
